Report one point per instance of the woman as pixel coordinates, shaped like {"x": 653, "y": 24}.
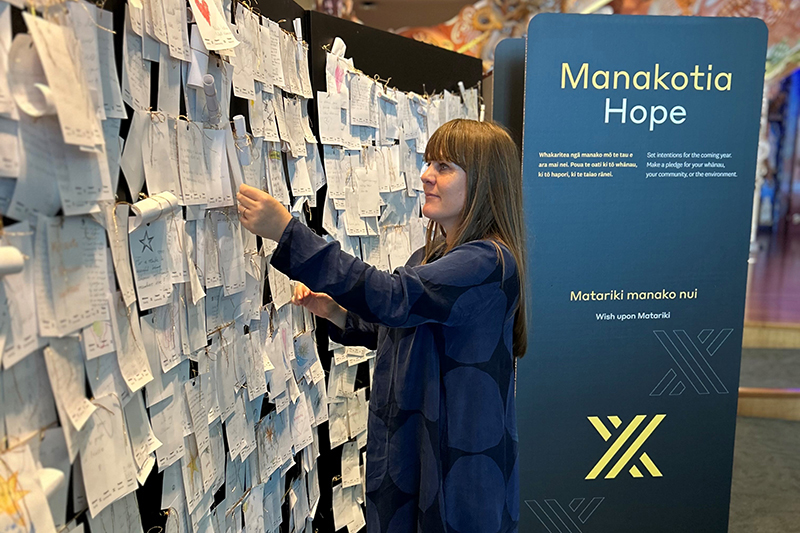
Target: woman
{"x": 442, "y": 441}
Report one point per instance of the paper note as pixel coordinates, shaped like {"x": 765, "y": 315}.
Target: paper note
{"x": 331, "y": 118}
{"x": 7, "y": 106}
{"x": 36, "y": 191}
{"x": 218, "y": 187}
{"x": 9, "y": 149}
{"x": 277, "y": 179}
{"x": 357, "y": 412}
{"x": 192, "y": 163}
{"x": 353, "y": 223}
{"x": 116, "y": 222}
{"x": 151, "y": 271}
{"x": 22, "y": 338}
{"x": 192, "y": 475}
{"x": 25, "y": 507}
{"x": 109, "y": 472}
{"x": 230, "y": 246}
{"x": 337, "y": 423}
{"x": 284, "y": 433}
{"x": 78, "y": 272}
{"x": 276, "y": 42}
{"x": 301, "y": 424}
{"x": 289, "y": 61}
{"x": 361, "y": 89}
{"x": 215, "y": 32}
{"x": 264, "y": 72}
{"x": 303, "y": 70}
{"x": 98, "y": 338}
{"x": 132, "y": 359}
{"x": 121, "y": 517}
{"x": 298, "y": 176}
{"x": 163, "y": 384}
{"x": 27, "y": 398}
{"x": 79, "y": 124}
{"x": 318, "y": 398}
{"x": 114, "y": 145}
{"x": 157, "y": 155}
{"x": 256, "y": 378}
{"x": 143, "y": 440}
{"x": 198, "y": 412}
{"x": 109, "y": 81}
{"x": 293, "y": 119}
{"x": 105, "y": 378}
{"x": 83, "y": 16}
{"x": 168, "y": 429}
{"x": 65, "y": 367}
{"x": 169, "y": 83}
{"x": 351, "y": 473}
{"x": 368, "y": 193}
{"x": 48, "y": 326}
{"x": 269, "y": 127}
{"x": 135, "y": 69}
{"x": 54, "y": 453}
{"x": 177, "y": 29}
{"x": 165, "y": 324}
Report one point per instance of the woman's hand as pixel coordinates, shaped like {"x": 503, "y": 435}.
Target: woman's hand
{"x": 320, "y": 304}
{"x": 262, "y": 214}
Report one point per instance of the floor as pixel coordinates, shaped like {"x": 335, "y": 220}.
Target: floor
{"x": 765, "y": 494}
{"x": 778, "y": 369}
{"x": 773, "y": 288}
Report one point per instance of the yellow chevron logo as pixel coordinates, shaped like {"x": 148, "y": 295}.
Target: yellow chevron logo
{"x": 619, "y": 443}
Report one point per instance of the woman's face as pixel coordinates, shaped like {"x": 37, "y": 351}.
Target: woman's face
{"x": 445, "y": 186}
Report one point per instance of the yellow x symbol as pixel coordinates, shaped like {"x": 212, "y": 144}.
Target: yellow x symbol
{"x": 620, "y": 442}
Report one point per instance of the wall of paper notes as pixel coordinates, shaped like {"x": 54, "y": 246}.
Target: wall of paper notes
{"x": 137, "y": 347}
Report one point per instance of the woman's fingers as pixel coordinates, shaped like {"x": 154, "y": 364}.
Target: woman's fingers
{"x": 252, "y": 193}
{"x": 246, "y": 201}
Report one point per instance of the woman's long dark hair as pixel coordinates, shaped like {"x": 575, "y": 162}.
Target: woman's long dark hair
{"x": 493, "y": 207}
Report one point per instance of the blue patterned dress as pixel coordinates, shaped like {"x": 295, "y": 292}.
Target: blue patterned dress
{"x": 442, "y": 444}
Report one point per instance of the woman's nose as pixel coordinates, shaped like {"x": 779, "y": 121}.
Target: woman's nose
{"x": 427, "y": 176}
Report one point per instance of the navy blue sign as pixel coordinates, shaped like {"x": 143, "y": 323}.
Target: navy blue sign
{"x": 639, "y": 156}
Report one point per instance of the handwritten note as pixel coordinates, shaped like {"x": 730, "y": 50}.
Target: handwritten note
{"x": 109, "y": 472}
{"x": 143, "y": 440}
{"x": 276, "y": 42}
{"x": 78, "y": 272}
{"x": 135, "y": 69}
{"x": 229, "y": 241}
{"x": 192, "y": 163}
{"x": 132, "y": 359}
{"x": 168, "y": 429}
{"x": 215, "y": 32}
{"x": 77, "y": 117}
{"x": 27, "y": 398}
{"x": 151, "y": 270}
{"x": 64, "y": 362}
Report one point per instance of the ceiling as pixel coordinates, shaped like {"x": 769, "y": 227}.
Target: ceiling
{"x": 395, "y": 14}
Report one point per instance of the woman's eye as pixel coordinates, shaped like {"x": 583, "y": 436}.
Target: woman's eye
{"x": 443, "y": 166}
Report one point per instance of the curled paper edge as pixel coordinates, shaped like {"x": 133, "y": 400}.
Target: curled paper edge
{"x": 151, "y": 209}
{"x": 26, "y": 78}
{"x": 11, "y": 261}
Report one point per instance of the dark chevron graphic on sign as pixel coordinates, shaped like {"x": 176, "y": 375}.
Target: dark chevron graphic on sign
{"x": 690, "y": 362}
{"x": 555, "y": 518}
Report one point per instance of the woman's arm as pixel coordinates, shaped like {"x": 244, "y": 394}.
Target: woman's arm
{"x": 449, "y": 290}
{"x": 349, "y": 329}
{"x": 446, "y": 291}
{"x": 355, "y": 332}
